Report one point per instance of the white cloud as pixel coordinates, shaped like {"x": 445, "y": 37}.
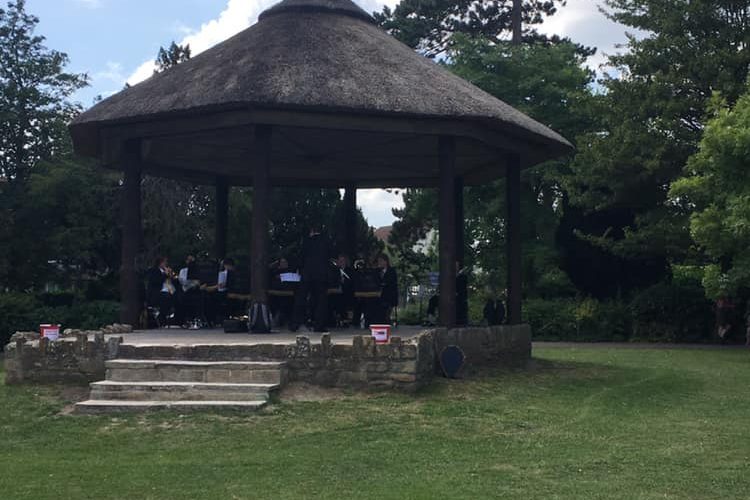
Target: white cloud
{"x": 90, "y": 4}
{"x": 584, "y": 23}
{"x": 236, "y": 16}
{"x": 377, "y": 205}
{"x": 112, "y": 73}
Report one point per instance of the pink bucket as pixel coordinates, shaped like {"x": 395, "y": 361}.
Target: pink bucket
{"x": 52, "y": 332}
{"x": 381, "y": 333}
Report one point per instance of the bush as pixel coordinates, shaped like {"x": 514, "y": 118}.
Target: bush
{"x": 553, "y": 319}
{"x": 25, "y": 312}
{"x": 673, "y": 312}
{"x": 409, "y": 314}
{"x": 16, "y": 313}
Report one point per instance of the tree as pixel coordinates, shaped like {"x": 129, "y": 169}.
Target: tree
{"x": 66, "y": 226}
{"x": 429, "y": 25}
{"x": 716, "y": 188}
{"x": 34, "y": 113}
{"x": 651, "y": 118}
{"x": 548, "y": 82}
{"x": 34, "y": 92}
{"x": 172, "y": 56}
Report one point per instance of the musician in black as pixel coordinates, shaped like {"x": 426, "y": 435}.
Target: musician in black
{"x": 281, "y": 306}
{"x": 389, "y": 287}
{"x": 314, "y": 286}
{"x": 343, "y": 301}
{"x": 160, "y": 291}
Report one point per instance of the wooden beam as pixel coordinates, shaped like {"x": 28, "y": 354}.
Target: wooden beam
{"x": 447, "y": 234}
{"x": 350, "y": 221}
{"x": 261, "y": 198}
{"x": 222, "y": 216}
{"x": 513, "y": 238}
{"x": 132, "y": 233}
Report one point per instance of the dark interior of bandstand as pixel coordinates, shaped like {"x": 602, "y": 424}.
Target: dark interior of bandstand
{"x": 267, "y": 155}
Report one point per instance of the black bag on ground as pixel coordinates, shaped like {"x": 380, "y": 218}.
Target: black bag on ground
{"x": 260, "y": 318}
{"x": 235, "y": 326}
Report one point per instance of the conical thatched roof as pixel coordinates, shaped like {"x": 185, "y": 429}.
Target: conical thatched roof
{"x": 322, "y": 58}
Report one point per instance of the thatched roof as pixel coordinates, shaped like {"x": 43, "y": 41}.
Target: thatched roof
{"x": 324, "y": 57}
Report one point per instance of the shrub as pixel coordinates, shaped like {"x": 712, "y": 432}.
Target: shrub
{"x": 672, "y": 312}
{"x": 553, "y": 319}
{"x": 409, "y": 314}
{"x": 577, "y": 320}
{"x": 16, "y": 313}
{"x": 20, "y": 311}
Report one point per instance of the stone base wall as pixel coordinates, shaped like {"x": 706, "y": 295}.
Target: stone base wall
{"x": 504, "y": 345}
{"x": 402, "y": 365}
{"x": 405, "y": 366}
{"x": 74, "y": 358}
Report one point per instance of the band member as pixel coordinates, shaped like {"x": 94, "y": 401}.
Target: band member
{"x": 389, "y": 286}
{"x": 190, "y": 303}
{"x": 282, "y": 306}
{"x": 314, "y": 285}
{"x": 160, "y": 289}
{"x": 220, "y": 305}
{"x": 343, "y": 302}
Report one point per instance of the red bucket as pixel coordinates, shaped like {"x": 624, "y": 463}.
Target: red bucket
{"x": 381, "y": 333}
{"x": 52, "y": 332}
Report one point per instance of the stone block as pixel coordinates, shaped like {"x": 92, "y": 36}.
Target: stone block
{"x": 404, "y": 377}
{"x": 409, "y": 366}
{"x": 377, "y": 366}
{"x": 303, "y": 346}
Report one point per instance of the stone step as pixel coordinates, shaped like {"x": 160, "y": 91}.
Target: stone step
{"x": 236, "y": 372}
{"x": 181, "y": 391}
{"x": 94, "y": 407}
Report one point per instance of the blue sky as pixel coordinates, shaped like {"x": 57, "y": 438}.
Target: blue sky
{"x": 115, "y": 41}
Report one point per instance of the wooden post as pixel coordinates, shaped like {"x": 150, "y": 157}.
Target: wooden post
{"x": 132, "y": 233}
{"x": 261, "y": 195}
{"x": 513, "y": 237}
{"x": 458, "y": 202}
{"x": 516, "y": 22}
{"x": 350, "y": 221}
{"x": 447, "y": 234}
{"x": 222, "y": 216}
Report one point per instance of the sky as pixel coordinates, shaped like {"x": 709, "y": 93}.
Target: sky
{"x": 116, "y": 41}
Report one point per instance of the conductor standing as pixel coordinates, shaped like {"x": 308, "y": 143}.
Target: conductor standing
{"x": 314, "y": 285}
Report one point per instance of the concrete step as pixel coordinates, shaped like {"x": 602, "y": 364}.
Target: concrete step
{"x": 181, "y": 391}
{"x": 168, "y": 370}
{"x": 94, "y": 407}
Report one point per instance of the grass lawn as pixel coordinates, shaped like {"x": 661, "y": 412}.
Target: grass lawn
{"x": 587, "y": 422}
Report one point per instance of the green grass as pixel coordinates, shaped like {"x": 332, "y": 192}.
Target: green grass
{"x": 588, "y": 422}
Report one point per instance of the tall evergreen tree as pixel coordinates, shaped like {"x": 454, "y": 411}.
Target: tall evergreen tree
{"x": 651, "y": 117}
{"x": 429, "y": 25}
{"x": 171, "y": 56}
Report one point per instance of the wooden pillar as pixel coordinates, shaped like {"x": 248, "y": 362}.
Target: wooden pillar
{"x": 132, "y": 233}
{"x": 461, "y": 287}
{"x": 458, "y": 201}
{"x": 513, "y": 237}
{"x": 447, "y": 234}
{"x": 350, "y": 221}
{"x": 261, "y": 196}
{"x": 222, "y": 216}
